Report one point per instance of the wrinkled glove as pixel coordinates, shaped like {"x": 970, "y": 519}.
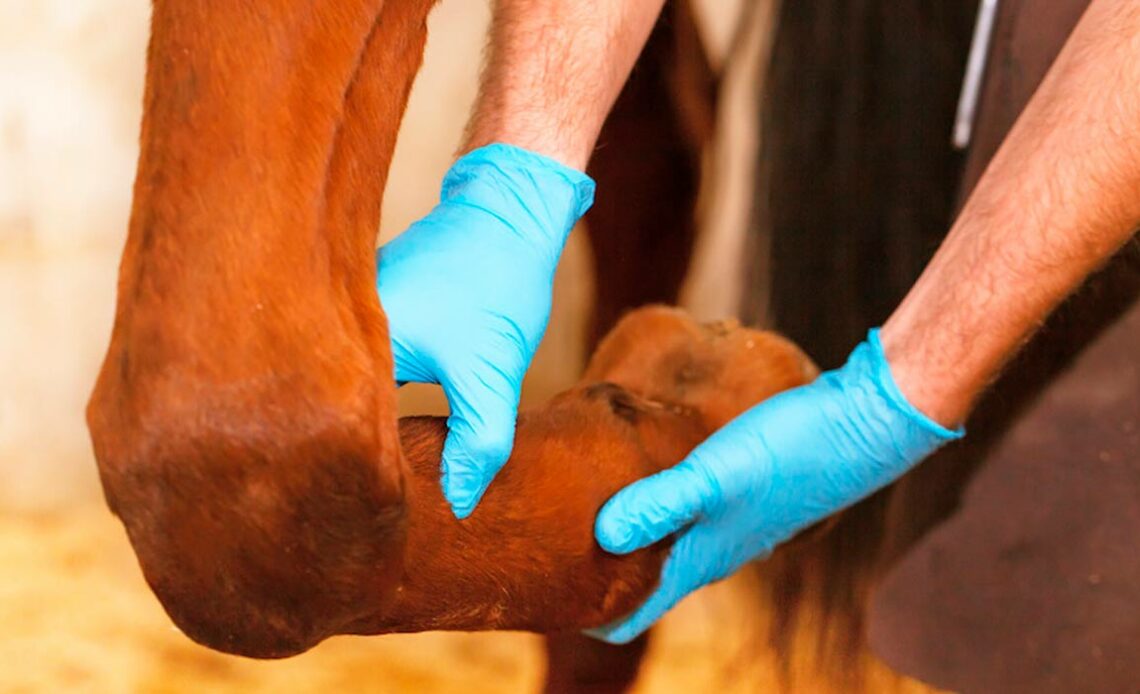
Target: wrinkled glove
{"x": 467, "y": 291}
{"x": 771, "y": 472}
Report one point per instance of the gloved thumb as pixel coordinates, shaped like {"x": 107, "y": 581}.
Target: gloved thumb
{"x": 677, "y": 581}
{"x": 481, "y": 432}
{"x": 655, "y": 507}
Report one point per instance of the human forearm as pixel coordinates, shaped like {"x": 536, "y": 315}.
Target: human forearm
{"x": 1059, "y": 197}
{"x": 554, "y": 69}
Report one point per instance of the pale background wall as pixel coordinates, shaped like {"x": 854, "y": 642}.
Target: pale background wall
{"x": 70, "y": 89}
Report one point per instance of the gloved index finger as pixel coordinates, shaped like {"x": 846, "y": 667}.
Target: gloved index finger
{"x": 651, "y": 509}
{"x": 481, "y": 431}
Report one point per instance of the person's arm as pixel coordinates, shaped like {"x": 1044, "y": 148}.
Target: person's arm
{"x": 1061, "y": 195}
{"x": 554, "y": 69}
{"x": 467, "y": 289}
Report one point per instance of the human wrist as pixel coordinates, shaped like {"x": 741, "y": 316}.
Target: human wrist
{"x": 567, "y": 146}
{"x": 898, "y": 400}
{"x": 864, "y": 418}
{"x": 924, "y": 380}
{"x": 537, "y": 194}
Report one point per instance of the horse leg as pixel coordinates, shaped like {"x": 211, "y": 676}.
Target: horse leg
{"x": 244, "y": 420}
{"x": 577, "y": 663}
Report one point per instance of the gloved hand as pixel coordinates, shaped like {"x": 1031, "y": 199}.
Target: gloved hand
{"x": 467, "y": 291}
{"x": 774, "y": 470}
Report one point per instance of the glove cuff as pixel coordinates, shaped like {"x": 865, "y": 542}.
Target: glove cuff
{"x": 885, "y": 381}
{"x": 526, "y": 189}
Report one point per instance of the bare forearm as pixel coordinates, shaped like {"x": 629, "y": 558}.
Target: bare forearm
{"x": 1061, "y": 195}
{"x": 554, "y": 69}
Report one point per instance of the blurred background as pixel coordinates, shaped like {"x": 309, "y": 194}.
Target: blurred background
{"x": 76, "y": 614}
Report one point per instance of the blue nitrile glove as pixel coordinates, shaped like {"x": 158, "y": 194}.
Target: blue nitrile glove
{"x": 467, "y": 291}
{"x": 773, "y": 471}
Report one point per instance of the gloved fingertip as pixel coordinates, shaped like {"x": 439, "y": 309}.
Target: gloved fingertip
{"x": 637, "y": 623}
{"x": 615, "y": 636}
{"x": 463, "y": 487}
{"x": 462, "y": 501}
{"x": 647, "y": 511}
{"x": 614, "y": 534}
{"x": 462, "y": 508}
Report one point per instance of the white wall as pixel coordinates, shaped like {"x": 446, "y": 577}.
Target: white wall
{"x": 70, "y": 88}
{"x": 70, "y": 80}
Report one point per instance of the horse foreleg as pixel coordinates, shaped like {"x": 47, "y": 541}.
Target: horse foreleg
{"x": 578, "y": 663}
